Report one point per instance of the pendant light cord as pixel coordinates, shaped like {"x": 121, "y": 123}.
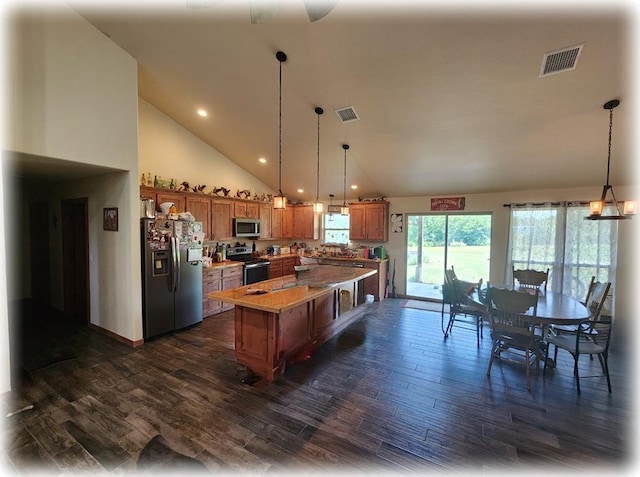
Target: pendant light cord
{"x": 280, "y": 132}
{"x": 318, "y": 111}
{"x": 344, "y": 187}
{"x": 609, "y": 150}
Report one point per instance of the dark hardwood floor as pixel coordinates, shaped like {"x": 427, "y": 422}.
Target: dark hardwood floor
{"x": 388, "y": 395}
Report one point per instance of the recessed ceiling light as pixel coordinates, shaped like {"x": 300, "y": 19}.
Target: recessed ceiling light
{"x": 262, "y": 160}
{"x": 300, "y": 191}
{"x": 354, "y": 186}
{"x": 202, "y": 113}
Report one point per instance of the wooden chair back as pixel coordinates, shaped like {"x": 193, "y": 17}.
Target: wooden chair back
{"x": 529, "y": 278}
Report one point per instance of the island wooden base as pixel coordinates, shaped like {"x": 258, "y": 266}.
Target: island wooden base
{"x": 265, "y": 341}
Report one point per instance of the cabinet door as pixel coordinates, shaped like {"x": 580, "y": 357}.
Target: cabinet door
{"x": 265, "y": 221}
{"x": 200, "y": 208}
{"x": 376, "y": 221}
{"x": 221, "y": 218}
{"x": 239, "y": 209}
{"x": 288, "y": 265}
{"x": 356, "y": 222}
{"x": 252, "y": 210}
{"x": 277, "y": 216}
{"x": 287, "y": 223}
{"x": 275, "y": 269}
{"x": 302, "y": 222}
{"x": 178, "y": 199}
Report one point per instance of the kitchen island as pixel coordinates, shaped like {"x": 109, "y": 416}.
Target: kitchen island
{"x": 284, "y": 319}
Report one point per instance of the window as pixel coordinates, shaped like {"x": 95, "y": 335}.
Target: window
{"x": 335, "y": 228}
{"x": 556, "y": 236}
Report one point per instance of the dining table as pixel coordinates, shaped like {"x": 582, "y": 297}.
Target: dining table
{"x": 553, "y": 308}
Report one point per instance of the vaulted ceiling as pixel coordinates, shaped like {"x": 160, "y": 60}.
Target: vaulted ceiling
{"x": 450, "y": 99}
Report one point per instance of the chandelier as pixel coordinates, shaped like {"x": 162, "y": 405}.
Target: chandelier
{"x": 596, "y": 207}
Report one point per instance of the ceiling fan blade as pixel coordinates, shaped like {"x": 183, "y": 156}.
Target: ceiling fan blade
{"x": 316, "y": 9}
{"x": 263, "y": 10}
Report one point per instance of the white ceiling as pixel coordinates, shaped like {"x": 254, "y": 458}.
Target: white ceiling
{"x": 450, "y": 100}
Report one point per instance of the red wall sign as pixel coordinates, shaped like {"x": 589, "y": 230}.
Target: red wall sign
{"x": 447, "y": 203}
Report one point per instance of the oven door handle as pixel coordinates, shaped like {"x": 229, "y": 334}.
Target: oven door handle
{"x": 256, "y": 265}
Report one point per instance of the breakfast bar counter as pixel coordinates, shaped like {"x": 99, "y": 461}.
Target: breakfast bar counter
{"x": 282, "y": 320}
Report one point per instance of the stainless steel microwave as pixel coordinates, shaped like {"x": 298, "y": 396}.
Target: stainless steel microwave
{"x": 246, "y": 227}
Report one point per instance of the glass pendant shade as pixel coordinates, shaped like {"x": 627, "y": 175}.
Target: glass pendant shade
{"x": 630, "y": 207}
{"x": 344, "y": 210}
{"x": 280, "y": 202}
{"x": 318, "y": 207}
{"x": 595, "y": 207}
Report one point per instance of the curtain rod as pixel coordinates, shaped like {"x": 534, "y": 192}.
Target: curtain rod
{"x": 551, "y": 204}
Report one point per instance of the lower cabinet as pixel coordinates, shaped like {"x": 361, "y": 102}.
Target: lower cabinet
{"x": 279, "y": 267}
{"x": 266, "y": 341}
{"x": 217, "y": 279}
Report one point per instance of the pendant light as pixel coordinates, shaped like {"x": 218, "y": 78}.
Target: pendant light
{"x": 280, "y": 201}
{"x": 331, "y": 196}
{"x": 318, "y": 207}
{"x": 344, "y": 210}
{"x": 596, "y": 207}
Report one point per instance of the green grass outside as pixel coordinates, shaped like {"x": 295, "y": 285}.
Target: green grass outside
{"x": 470, "y": 262}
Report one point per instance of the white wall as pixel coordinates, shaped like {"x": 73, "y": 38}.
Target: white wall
{"x": 74, "y": 96}
{"x": 170, "y": 151}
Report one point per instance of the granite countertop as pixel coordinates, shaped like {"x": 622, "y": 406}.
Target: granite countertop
{"x": 280, "y": 294}
{"x": 226, "y": 263}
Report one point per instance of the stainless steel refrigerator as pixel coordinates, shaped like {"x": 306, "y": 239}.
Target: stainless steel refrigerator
{"x": 171, "y": 275}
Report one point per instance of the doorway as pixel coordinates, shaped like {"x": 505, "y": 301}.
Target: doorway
{"x": 39, "y": 252}
{"x": 75, "y": 259}
{"x": 436, "y": 242}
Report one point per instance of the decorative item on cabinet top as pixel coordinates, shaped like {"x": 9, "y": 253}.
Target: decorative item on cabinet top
{"x": 184, "y": 186}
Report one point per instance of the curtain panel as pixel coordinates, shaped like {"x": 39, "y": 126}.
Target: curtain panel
{"x": 556, "y": 236}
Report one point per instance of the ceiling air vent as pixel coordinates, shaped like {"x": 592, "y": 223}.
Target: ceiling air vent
{"x": 560, "y": 61}
{"x": 347, "y": 114}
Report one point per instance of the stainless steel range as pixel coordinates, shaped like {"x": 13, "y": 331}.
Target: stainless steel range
{"x": 255, "y": 269}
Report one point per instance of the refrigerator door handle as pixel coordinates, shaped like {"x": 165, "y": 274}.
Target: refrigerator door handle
{"x": 178, "y": 271}
{"x": 174, "y": 266}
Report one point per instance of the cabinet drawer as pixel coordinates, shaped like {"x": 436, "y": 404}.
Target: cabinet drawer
{"x": 232, "y": 272}
{"x": 211, "y": 274}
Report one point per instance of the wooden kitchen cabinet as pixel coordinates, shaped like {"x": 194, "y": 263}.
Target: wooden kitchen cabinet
{"x": 211, "y": 282}
{"x": 305, "y": 224}
{"x": 231, "y": 278}
{"x": 249, "y": 210}
{"x": 288, "y": 265}
{"x": 179, "y": 199}
{"x": 282, "y": 225}
{"x": 200, "y": 207}
{"x": 221, "y": 217}
{"x": 275, "y": 268}
{"x": 369, "y": 221}
{"x": 218, "y": 278}
{"x": 266, "y": 213}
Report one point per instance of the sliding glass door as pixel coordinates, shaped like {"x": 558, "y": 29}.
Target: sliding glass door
{"x": 438, "y": 241}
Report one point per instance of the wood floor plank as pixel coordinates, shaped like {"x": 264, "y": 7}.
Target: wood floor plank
{"x": 389, "y": 394}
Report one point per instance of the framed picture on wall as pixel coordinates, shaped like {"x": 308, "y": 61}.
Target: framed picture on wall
{"x": 396, "y": 223}
{"x": 110, "y": 219}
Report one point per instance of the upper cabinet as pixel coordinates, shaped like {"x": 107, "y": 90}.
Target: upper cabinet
{"x": 250, "y": 210}
{"x": 369, "y": 221}
{"x": 295, "y": 222}
{"x": 222, "y": 217}
{"x": 266, "y": 214}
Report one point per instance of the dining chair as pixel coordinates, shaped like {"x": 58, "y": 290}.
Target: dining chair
{"x": 592, "y": 340}
{"x": 462, "y": 310}
{"x": 529, "y": 278}
{"x": 512, "y": 329}
{"x": 596, "y": 296}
